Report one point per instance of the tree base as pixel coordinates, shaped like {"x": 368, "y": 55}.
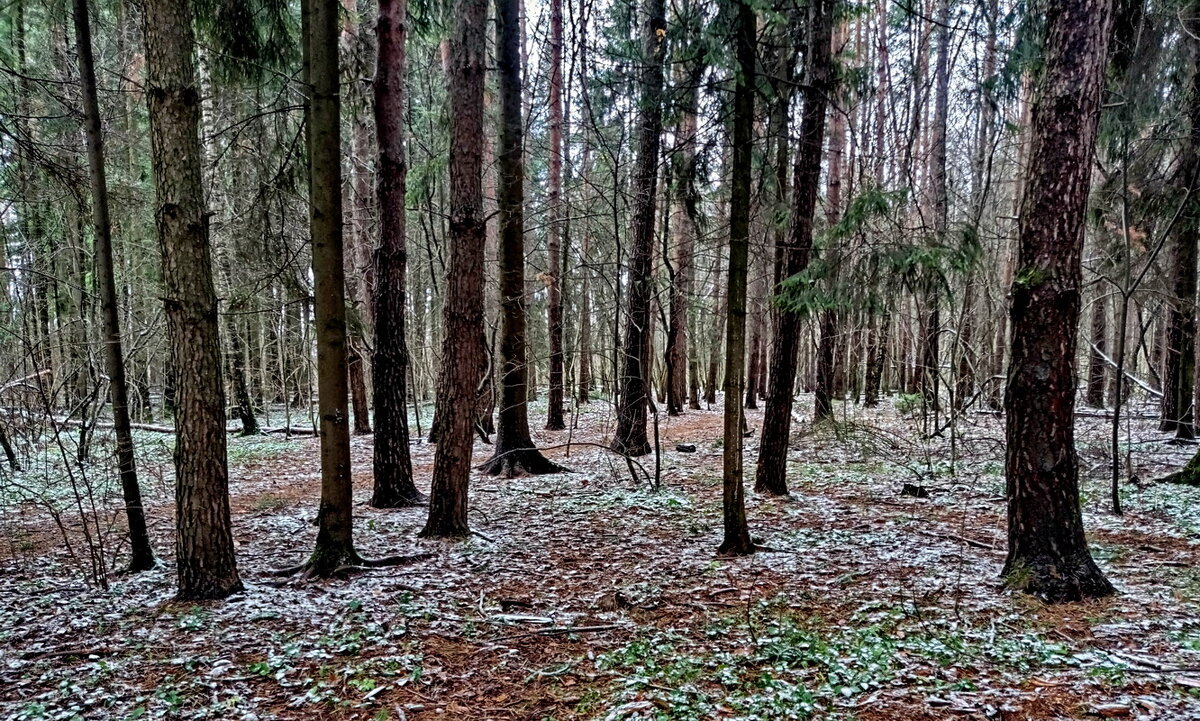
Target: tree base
{"x": 446, "y": 531}
{"x": 520, "y": 462}
{"x": 403, "y": 499}
{"x": 142, "y": 562}
{"x": 737, "y": 547}
{"x": 1189, "y": 475}
{"x": 634, "y": 448}
{"x": 1058, "y": 580}
{"x": 773, "y": 490}
{"x": 210, "y": 592}
{"x": 331, "y": 563}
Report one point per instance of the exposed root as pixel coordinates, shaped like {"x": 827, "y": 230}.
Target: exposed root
{"x": 1189, "y": 475}
{"x": 330, "y": 563}
{"x": 520, "y": 462}
{"x": 409, "y": 498}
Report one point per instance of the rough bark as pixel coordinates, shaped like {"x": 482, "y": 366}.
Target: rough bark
{"x": 827, "y": 349}
{"x": 630, "y": 435}
{"x": 1047, "y": 552}
{"x": 462, "y": 363}
{"x": 392, "y": 464}
{"x": 515, "y": 453}
{"x": 205, "y": 564}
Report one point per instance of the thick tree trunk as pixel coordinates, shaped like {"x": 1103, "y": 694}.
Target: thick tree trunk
{"x": 771, "y": 473}
{"x": 737, "y": 540}
{"x": 462, "y": 363}
{"x": 877, "y": 343}
{"x": 393, "y": 485}
{"x": 1047, "y": 552}
{"x": 720, "y": 306}
{"x": 205, "y": 564}
{"x": 141, "y": 553}
{"x": 515, "y": 453}
{"x": 630, "y": 436}
{"x": 358, "y": 387}
{"x": 583, "y": 377}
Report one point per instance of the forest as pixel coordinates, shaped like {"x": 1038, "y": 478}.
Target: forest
{"x": 599, "y": 359}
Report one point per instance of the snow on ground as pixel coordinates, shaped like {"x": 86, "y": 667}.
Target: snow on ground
{"x": 590, "y": 595}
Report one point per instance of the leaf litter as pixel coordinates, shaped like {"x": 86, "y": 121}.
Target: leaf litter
{"x": 590, "y": 595}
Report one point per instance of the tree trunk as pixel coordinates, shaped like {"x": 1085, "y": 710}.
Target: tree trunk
{"x": 554, "y": 311}
{"x": 393, "y": 486}
{"x": 1096, "y": 364}
{"x": 827, "y": 350}
{"x": 462, "y": 363}
{"x": 1178, "y": 404}
{"x": 141, "y": 554}
{"x": 737, "y": 540}
{"x": 685, "y": 202}
{"x": 823, "y": 396}
{"x": 932, "y": 329}
{"x": 964, "y": 386}
{"x": 754, "y": 352}
{"x": 1047, "y": 552}
{"x": 630, "y": 436}
{"x": 771, "y": 473}
{"x": 515, "y": 454}
{"x": 335, "y": 533}
{"x": 205, "y": 564}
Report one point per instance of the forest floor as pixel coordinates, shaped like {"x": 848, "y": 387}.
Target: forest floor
{"x": 588, "y": 595}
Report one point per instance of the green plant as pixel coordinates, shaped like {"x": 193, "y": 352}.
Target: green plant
{"x": 909, "y": 403}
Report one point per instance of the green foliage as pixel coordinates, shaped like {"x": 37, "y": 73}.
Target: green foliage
{"x": 772, "y": 663}
{"x": 247, "y": 38}
{"x": 909, "y": 403}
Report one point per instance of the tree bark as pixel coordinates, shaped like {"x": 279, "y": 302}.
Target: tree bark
{"x": 771, "y": 473}
{"x": 827, "y": 349}
{"x": 335, "y": 536}
{"x": 630, "y": 437}
{"x": 515, "y": 454}
{"x": 685, "y": 202}
{"x": 1178, "y": 403}
{"x": 205, "y": 564}
{"x": 554, "y": 310}
{"x": 393, "y": 484}
{"x": 141, "y": 553}
{"x": 462, "y": 362}
{"x": 932, "y": 328}
{"x": 737, "y": 540}
{"x": 1096, "y": 364}
{"x": 1047, "y": 553}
